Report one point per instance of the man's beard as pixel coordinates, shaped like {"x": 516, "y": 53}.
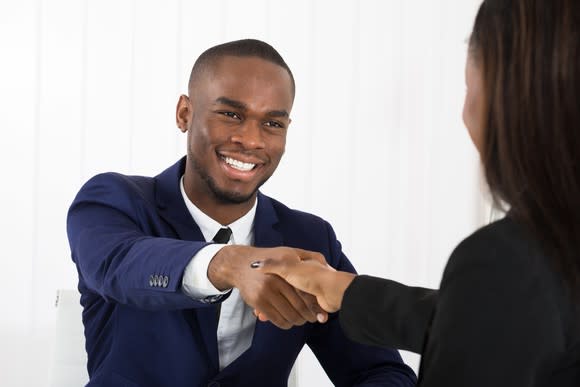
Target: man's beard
{"x": 223, "y": 196}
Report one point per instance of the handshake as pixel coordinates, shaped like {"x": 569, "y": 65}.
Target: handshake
{"x": 283, "y": 285}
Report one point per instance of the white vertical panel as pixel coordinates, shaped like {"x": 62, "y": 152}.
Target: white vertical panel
{"x": 57, "y": 171}
{"x": 200, "y": 27}
{"x": 108, "y": 125}
{"x": 333, "y": 99}
{"x": 245, "y": 19}
{"x": 19, "y": 121}
{"x": 380, "y": 173}
{"x": 19, "y": 104}
{"x": 153, "y": 86}
{"x": 410, "y": 185}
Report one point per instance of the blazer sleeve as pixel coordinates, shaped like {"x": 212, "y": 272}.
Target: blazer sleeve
{"x": 346, "y": 362}
{"x": 382, "y": 312}
{"x": 110, "y": 227}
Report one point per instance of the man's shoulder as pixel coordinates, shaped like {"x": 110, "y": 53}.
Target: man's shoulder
{"x": 113, "y": 187}
{"x": 145, "y": 186}
{"x": 286, "y": 214}
{"x": 120, "y": 181}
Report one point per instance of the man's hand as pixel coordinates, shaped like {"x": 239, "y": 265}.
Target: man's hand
{"x": 269, "y": 294}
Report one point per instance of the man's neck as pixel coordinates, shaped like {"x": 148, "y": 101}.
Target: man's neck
{"x": 222, "y": 212}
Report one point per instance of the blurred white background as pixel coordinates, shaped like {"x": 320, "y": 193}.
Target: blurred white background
{"x": 377, "y": 145}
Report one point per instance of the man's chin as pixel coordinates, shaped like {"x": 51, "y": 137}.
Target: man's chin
{"x": 229, "y": 197}
{"x": 236, "y": 194}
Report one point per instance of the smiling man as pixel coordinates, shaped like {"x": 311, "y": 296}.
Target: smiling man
{"x": 164, "y": 262}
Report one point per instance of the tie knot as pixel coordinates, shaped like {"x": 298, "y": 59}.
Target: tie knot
{"x": 223, "y": 235}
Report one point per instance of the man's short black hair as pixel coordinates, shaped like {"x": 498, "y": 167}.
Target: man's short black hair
{"x": 240, "y": 48}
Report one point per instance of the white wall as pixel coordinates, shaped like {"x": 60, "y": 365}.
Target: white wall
{"x": 376, "y": 146}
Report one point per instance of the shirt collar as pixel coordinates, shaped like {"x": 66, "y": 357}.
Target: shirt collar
{"x": 242, "y": 228}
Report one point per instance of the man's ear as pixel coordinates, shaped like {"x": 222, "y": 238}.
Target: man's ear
{"x": 183, "y": 113}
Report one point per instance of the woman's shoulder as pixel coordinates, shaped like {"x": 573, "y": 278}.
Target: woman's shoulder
{"x": 503, "y": 242}
{"x": 504, "y": 255}
{"x": 506, "y": 258}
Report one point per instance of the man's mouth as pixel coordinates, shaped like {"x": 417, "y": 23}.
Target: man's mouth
{"x": 237, "y": 164}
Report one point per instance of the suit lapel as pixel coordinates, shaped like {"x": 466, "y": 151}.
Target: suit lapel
{"x": 265, "y": 232}
{"x": 171, "y": 205}
{"x": 173, "y": 210}
{"x": 265, "y": 235}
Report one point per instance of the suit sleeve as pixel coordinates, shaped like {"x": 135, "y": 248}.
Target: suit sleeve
{"x": 110, "y": 228}
{"x": 495, "y": 320}
{"x": 382, "y": 312}
{"x": 352, "y": 364}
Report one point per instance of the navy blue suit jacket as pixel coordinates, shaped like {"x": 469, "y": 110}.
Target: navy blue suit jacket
{"x": 128, "y": 233}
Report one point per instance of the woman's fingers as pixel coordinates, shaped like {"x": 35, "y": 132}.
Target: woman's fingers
{"x": 311, "y": 274}
{"x": 306, "y": 255}
{"x": 300, "y": 274}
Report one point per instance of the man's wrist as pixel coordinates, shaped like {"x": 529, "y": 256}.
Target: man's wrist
{"x": 220, "y": 270}
{"x": 196, "y": 283}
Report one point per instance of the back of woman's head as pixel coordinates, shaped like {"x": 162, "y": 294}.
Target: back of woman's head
{"x": 529, "y": 54}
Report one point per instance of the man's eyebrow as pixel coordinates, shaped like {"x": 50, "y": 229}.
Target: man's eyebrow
{"x": 242, "y": 106}
{"x": 278, "y": 113}
{"x": 231, "y": 103}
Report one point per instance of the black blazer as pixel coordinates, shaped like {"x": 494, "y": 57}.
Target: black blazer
{"x": 502, "y": 316}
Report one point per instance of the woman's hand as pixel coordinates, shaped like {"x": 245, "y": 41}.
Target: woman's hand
{"x": 284, "y": 305}
{"x": 310, "y": 275}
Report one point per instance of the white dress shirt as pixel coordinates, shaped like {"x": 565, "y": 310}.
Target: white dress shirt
{"x": 237, "y": 321}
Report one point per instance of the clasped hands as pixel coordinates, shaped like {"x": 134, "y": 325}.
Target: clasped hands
{"x": 284, "y": 285}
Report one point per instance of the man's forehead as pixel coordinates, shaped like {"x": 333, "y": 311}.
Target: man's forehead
{"x": 244, "y": 64}
{"x": 239, "y": 67}
{"x": 245, "y": 72}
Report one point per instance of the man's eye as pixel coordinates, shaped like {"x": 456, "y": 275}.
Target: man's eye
{"x": 231, "y": 115}
{"x": 274, "y": 124}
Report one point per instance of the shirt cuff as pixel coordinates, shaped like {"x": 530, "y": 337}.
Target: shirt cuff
{"x": 195, "y": 282}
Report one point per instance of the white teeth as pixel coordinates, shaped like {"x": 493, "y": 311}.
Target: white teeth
{"x": 239, "y": 165}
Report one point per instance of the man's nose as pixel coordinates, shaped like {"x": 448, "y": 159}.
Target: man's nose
{"x": 249, "y": 135}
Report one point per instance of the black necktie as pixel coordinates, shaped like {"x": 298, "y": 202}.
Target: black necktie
{"x": 223, "y": 236}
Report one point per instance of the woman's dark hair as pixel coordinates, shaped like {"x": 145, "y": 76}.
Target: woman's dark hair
{"x": 529, "y": 52}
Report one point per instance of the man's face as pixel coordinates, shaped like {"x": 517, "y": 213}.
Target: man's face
{"x": 236, "y": 117}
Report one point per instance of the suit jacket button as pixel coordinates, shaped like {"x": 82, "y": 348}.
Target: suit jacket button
{"x": 151, "y": 282}
{"x": 165, "y": 281}
{"x": 156, "y": 280}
